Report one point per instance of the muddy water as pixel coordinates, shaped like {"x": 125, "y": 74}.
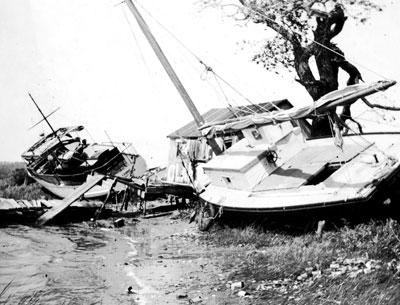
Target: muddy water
{"x": 63, "y": 265}
{"x": 161, "y": 259}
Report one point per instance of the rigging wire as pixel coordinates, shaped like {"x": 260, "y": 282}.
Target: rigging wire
{"x": 226, "y": 98}
{"x": 217, "y": 76}
{"x": 192, "y": 53}
{"x": 202, "y": 62}
{"x": 136, "y": 42}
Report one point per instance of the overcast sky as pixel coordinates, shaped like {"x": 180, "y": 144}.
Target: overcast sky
{"x": 89, "y": 58}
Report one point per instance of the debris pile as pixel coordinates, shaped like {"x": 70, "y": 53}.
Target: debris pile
{"x": 350, "y": 267}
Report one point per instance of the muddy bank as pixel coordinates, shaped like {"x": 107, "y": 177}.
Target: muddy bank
{"x": 170, "y": 265}
{"x": 166, "y": 260}
{"x": 147, "y": 261}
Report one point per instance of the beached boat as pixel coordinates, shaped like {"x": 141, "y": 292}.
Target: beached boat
{"x": 279, "y": 166}
{"x": 62, "y": 161}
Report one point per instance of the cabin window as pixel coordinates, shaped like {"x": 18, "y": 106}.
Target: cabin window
{"x": 256, "y": 134}
{"x": 324, "y": 174}
{"x": 227, "y": 180}
{"x": 228, "y": 143}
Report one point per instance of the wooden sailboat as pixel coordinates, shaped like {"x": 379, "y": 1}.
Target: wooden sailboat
{"x": 277, "y": 167}
{"x": 61, "y": 162}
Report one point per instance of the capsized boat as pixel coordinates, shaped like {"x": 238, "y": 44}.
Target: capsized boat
{"x": 62, "y": 161}
{"x": 278, "y": 167}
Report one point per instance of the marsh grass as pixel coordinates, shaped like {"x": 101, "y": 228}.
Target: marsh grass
{"x": 16, "y": 184}
{"x": 273, "y": 255}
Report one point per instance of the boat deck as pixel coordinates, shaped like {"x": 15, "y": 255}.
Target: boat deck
{"x": 305, "y": 165}
{"x": 368, "y": 168}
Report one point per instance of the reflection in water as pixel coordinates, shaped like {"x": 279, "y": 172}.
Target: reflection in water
{"x": 56, "y": 265}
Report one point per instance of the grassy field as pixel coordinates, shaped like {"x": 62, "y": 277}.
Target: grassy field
{"x": 351, "y": 264}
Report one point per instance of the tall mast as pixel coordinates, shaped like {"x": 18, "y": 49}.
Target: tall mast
{"x": 45, "y": 118}
{"x": 171, "y": 73}
{"x": 41, "y": 112}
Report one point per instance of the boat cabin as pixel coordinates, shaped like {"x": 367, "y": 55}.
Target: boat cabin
{"x": 189, "y": 148}
{"x": 277, "y": 166}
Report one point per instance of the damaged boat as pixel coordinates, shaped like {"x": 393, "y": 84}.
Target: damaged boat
{"x": 62, "y": 161}
{"x": 278, "y": 167}
{"x": 281, "y": 166}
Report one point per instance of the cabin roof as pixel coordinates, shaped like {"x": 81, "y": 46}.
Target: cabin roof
{"x": 190, "y": 131}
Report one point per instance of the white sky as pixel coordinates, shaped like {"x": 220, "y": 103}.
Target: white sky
{"x": 82, "y": 55}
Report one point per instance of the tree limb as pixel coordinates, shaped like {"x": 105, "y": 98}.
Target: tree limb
{"x": 285, "y": 32}
{"x": 391, "y": 108}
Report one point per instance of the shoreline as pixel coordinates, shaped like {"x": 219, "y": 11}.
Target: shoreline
{"x": 166, "y": 260}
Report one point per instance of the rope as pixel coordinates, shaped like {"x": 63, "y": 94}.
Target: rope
{"x": 137, "y": 43}
{"x": 187, "y": 171}
{"x": 207, "y": 68}
{"x": 238, "y": 92}
{"x": 226, "y": 98}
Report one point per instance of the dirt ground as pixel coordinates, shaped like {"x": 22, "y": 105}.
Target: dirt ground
{"x": 168, "y": 265}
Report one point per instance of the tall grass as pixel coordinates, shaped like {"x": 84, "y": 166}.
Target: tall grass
{"x": 15, "y": 183}
{"x": 281, "y": 255}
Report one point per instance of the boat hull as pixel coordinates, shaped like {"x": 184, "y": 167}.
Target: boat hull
{"x": 62, "y": 191}
{"x": 357, "y": 184}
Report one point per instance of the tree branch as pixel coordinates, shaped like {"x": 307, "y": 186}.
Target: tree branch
{"x": 285, "y": 32}
{"x": 337, "y": 20}
{"x": 391, "y": 108}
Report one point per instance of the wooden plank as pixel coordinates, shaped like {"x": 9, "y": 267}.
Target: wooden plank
{"x": 50, "y": 214}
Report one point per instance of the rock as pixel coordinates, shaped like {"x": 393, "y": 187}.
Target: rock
{"x": 302, "y": 277}
{"x": 195, "y": 300}
{"x": 242, "y": 293}
{"x": 181, "y": 296}
{"x": 355, "y": 273}
{"x": 360, "y": 262}
{"x": 237, "y": 285}
{"x": 103, "y": 223}
{"x": 130, "y": 291}
{"x": 260, "y": 287}
{"x": 309, "y": 269}
{"x": 343, "y": 269}
{"x": 335, "y": 274}
{"x": 120, "y": 222}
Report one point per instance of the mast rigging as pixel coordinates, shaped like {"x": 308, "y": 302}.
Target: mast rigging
{"x": 171, "y": 73}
